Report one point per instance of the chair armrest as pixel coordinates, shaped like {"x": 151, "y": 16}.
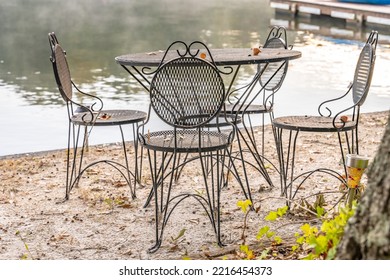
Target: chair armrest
{"x": 98, "y": 101}
{"x": 141, "y": 128}
{"x": 324, "y": 106}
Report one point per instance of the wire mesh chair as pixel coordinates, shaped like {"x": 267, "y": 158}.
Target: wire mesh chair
{"x": 89, "y": 116}
{"x": 187, "y": 93}
{"x": 345, "y": 126}
{"x": 270, "y": 77}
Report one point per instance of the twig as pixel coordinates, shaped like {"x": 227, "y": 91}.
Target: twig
{"x": 25, "y": 244}
{"x": 292, "y": 201}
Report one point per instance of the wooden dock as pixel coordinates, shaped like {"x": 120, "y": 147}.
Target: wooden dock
{"x": 355, "y": 13}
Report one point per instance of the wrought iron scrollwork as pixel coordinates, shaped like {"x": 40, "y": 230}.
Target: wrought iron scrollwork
{"x": 190, "y": 51}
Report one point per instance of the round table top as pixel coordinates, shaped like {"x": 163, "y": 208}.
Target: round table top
{"x": 232, "y": 56}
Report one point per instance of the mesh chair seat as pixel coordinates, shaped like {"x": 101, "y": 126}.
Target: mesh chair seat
{"x": 249, "y": 109}
{"x": 313, "y": 123}
{"x": 109, "y": 117}
{"x": 187, "y": 141}
{"x": 220, "y": 121}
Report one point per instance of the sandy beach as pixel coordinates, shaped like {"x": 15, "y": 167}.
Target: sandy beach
{"x": 101, "y": 221}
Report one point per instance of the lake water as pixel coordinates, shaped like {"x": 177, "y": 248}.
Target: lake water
{"x": 93, "y": 32}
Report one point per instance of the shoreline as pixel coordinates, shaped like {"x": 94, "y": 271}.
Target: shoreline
{"x": 40, "y": 153}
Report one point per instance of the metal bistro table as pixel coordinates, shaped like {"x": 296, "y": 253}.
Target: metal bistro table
{"x": 138, "y": 64}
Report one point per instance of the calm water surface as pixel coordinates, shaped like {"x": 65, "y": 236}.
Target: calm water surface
{"x": 94, "y": 32}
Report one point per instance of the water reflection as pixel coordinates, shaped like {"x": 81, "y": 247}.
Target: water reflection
{"x": 94, "y": 32}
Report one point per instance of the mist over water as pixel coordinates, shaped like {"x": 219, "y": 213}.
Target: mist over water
{"x": 94, "y": 32}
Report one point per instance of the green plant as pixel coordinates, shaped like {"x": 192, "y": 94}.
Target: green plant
{"x": 266, "y": 232}
{"x": 248, "y": 254}
{"x": 314, "y": 242}
{"x": 244, "y": 206}
{"x": 273, "y": 215}
{"x": 321, "y": 242}
{"x": 174, "y": 241}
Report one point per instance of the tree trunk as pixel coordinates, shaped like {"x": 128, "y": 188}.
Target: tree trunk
{"x": 367, "y": 234}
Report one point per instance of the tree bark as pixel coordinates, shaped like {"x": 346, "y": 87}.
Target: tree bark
{"x": 367, "y": 234}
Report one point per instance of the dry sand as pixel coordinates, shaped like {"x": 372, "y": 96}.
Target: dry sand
{"x": 100, "y": 220}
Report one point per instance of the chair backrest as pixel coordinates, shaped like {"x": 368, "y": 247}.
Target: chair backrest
{"x": 60, "y": 68}
{"x": 187, "y": 91}
{"x": 364, "y": 70}
{"x": 277, "y": 38}
{"x": 274, "y": 73}
{"x": 360, "y": 86}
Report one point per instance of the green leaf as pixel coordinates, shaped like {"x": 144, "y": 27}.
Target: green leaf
{"x": 262, "y": 232}
{"x": 181, "y": 233}
{"x": 270, "y": 234}
{"x": 244, "y": 249}
{"x": 278, "y": 240}
{"x": 331, "y": 253}
{"x": 272, "y": 216}
{"x": 320, "y": 211}
{"x": 300, "y": 240}
{"x": 309, "y": 257}
{"x": 282, "y": 211}
{"x": 244, "y": 205}
{"x": 264, "y": 254}
{"x": 327, "y": 227}
{"x": 306, "y": 229}
{"x": 321, "y": 244}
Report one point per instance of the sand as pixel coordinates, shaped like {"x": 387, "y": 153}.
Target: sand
{"x": 101, "y": 221}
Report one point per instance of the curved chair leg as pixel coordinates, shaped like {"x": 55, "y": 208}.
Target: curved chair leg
{"x": 247, "y": 192}
{"x": 244, "y": 138}
{"x": 68, "y": 175}
{"x": 157, "y": 174}
{"x": 161, "y": 209}
{"x": 74, "y": 166}
{"x": 153, "y": 170}
{"x": 352, "y": 146}
{"x": 213, "y": 189}
{"x": 307, "y": 174}
{"x": 259, "y": 158}
{"x": 166, "y": 203}
{"x": 285, "y": 161}
{"x": 72, "y": 171}
{"x": 138, "y": 166}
